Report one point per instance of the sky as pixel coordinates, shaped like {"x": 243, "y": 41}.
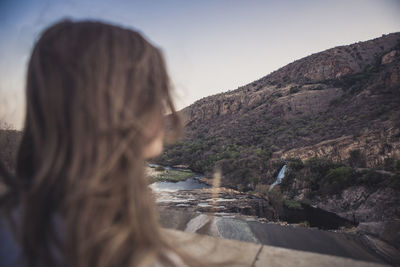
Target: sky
{"x": 209, "y": 46}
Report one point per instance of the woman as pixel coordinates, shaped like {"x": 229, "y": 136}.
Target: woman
{"x": 96, "y": 99}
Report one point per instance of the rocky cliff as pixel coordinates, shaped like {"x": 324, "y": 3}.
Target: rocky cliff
{"x": 330, "y": 117}
{"x": 328, "y": 104}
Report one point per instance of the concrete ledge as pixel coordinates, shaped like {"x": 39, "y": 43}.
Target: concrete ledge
{"x": 236, "y": 253}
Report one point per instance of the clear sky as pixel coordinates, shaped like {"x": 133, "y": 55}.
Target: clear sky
{"x": 210, "y": 46}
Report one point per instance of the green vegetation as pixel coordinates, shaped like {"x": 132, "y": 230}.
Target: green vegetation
{"x": 292, "y": 204}
{"x": 394, "y": 181}
{"x": 294, "y": 89}
{"x": 357, "y": 159}
{"x": 171, "y": 176}
{"x": 337, "y": 179}
{"x": 390, "y": 164}
{"x": 241, "y": 164}
{"x": 322, "y": 176}
{"x": 295, "y": 164}
{"x": 316, "y": 170}
{"x": 372, "y": 178}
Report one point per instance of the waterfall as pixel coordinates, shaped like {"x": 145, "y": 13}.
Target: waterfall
{"x": 279, "y": 178}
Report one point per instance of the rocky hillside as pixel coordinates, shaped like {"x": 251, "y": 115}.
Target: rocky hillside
{"x": 342, "y": 104}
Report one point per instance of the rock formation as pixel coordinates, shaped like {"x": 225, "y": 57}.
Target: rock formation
{"x": 327, "y": 105}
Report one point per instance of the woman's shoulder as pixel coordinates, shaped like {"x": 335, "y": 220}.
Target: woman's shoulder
{"x": 9, "y": 249}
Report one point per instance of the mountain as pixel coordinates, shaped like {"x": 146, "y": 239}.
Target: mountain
{"x": 342, "y": 104}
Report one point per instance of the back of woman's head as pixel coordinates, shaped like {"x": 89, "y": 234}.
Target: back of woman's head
{"x": 96, "y": 97}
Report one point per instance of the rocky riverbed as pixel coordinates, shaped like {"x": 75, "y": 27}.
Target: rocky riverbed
{"x": 194, "y": 206}
{"x": 220, "y": 202}
{"x": 235, "y": 215}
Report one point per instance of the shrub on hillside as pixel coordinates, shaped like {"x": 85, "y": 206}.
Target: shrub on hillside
{"x": 263, "y": 154}
{"x": 317, "y": 168}
{"x": 389, "y": 164}
{"x": 320, "y": 166}
{"x": 356, "y": 158}
{"x": 295, "y": 164}
{"x": 292, "y": 204}
{"x": 397, "y": 165}
{"x": 372, "y": 178}
{"x": 394, "y": 181}
{"x": 294, "y": 89}
{"x": 337, "y": 179}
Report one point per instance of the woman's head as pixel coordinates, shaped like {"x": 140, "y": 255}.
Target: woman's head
{"x": 89, "y": 80}
{"x": 97, "y": 96}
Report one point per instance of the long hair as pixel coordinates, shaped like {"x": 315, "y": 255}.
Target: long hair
{"x": 96, "y": 96}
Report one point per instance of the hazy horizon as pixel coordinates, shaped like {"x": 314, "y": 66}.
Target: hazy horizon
{"x": 210, "y": 46}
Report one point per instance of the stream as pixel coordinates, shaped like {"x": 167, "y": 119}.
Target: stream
{"x": 192, "y": 183}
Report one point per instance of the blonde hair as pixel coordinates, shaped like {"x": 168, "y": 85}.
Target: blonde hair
{"x": 93, "y": 92}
